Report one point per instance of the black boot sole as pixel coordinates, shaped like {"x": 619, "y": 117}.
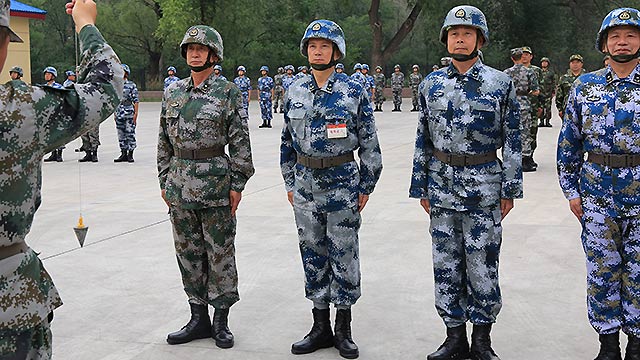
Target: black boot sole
{"x": 466, "y": 356}
{"x": 184, "y": 341}
{"x": 348, "y": 355}
{"x": 224, "y": 345}
{"x": 328, "y": 344}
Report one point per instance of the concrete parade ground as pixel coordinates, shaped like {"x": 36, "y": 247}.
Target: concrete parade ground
{"x": 122, "y": 292}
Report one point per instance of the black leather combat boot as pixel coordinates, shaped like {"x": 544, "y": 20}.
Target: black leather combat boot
{"x": 87, "y": 157}
{"x": 220, "y": 329}
{"x": 454, "y": 347}
{"x": 609, "y": 347}
{"x": 130, "y": 156}
{"x": 633, "y": 348}
{"x": 342, "y": 338}
{"x": 59, "y": 155}
{"x": 122, "y": 157}
{"x": 94, "y": 156}
{"x": 198, "y": 327}
{"x": 320, "y": 336}
{"x": 481, "y": 343}
{"x": 52, "y": 157}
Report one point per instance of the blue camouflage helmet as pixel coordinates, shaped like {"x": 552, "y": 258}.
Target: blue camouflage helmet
{"x": 468, "y": 16}
{"x": 617, "y": 17}
{"x": 324, "y": 29}
{"x": 171, "y": 68}
{"x": 357, "y": 66}
{"x": 241, "y": 68}
{"x": 365, "y": 67}
{"x": 51, "y": 70}
{"x": 289, "y": 67}
{"x": 217, "y": 67}
{"x": 264, "y": 68}
{"x": 70, "y": 73}
{"x": 204, "y": 35}
{"x": 340, "y": 66}
{"x": 126, "y": 69}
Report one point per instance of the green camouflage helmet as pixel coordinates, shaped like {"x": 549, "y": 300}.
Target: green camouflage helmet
{"x": 17, "y": 70}
{"x": 545, "y": 59}
{"x": 204, "y": 35}
{"x": 576, "y": 57}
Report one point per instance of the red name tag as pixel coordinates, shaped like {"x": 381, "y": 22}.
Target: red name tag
{"x": 337, "y": 131}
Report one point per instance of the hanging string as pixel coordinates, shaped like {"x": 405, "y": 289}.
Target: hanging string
{"x": 80, "y": 222}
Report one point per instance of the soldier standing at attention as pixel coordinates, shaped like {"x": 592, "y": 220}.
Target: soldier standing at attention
{"x": 36, "y": 120}
{"x": 371, "y": 84}
{"x": 601, "y": 119}
{"x": 397, "y": 81}
{"x": 265, "y": 85}
{"x": 534, "y": 108}
{"x": 327, "y": 117}
{"x": 126, "y": 117}
{"x": 415, "y": 78}
{"x": 278, "y": 91}
{"x": 468, "y": 111}
{"x": 202, "y": 185}
{"x": 380, "y": 83}
{"x": 217, "y": 70}
{"x": 547, "y": 91}
{"x": 171, "y": 71}
{"x": 16, "y": 73}
{"x": 90, "y": 139}
{"x": 525, "y": 84}
{"x": 339, "y": 68}
{"x": 244, "y": 84}
{"x": 71, "y": 78}
{"x": 50, "y": 74}
{"x": 566, "y": 81}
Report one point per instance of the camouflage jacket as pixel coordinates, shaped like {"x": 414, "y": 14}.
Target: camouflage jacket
{"x": 524, "y": 82}
{"x": 129, "y": 98}
{"x": 397, "y": 80}
{"x": 265, "y": 84}
{"x": 564, "y": 85}
{"x": 602, "y": 116}
{"x": 380, "y": 80}
{"x": 547, "y": 82}
{"x": 34, "y": 121}
{"x": 287, "y": 81}
{"x": 207, "y": 116}
{"x": 277, "y": 80}
{"x": 243, "y": 83}
{"x": 471, "y": 113}
{"x": 415, "y": 79}
{"x": 308, "y": 112}
{"x": 170, "y": 80}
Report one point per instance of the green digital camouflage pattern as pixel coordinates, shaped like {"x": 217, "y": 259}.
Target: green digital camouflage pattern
{"x": 33, "y": 344}
{"x": 35, "y": 120}
{"x": 207, "y": 116}
{"x": 564, "y": 85}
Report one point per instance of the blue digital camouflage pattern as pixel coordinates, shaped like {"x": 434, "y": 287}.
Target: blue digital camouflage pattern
{"x": 617, "y": 17}
{"x": 68, "y": 83}
{"x": 124, "y": 117}
{"x": 524, "y": 82}
{"x": 601, "y": 116}
{"x": 471, "y": 113}
{"x": 324, "y": 29}
{"x": 287, "y": 80}
{"x": 244, "y": 84}
{"x": 170, "y": 80}
{"x": 371, "y": 84}
{"x": 266, "y": 85}
{"x": 326, "y": 200}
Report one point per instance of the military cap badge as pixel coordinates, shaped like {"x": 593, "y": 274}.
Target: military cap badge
{"x": 625, "y": 15}
{"x": 461, "y": 13}
{"x": 193, "y": 32}
{"x": 316, "y": 27}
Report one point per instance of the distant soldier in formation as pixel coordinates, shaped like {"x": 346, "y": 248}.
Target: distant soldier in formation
{"x": 397, "y": 82}
{"x": 16, "y": 73}
{"x": 566, "y": 81}
{"x": 50, "y": 74}
{"x": 357, "y": 74}
{"x": 302, "y": 71}
{"x": 434, "y": 67}
{"x": 380, "y": 82}
{"x": 71, "y": 79}
{"x": 278, "y": 91}
{"x": 217, "y": 71}
{"x": 265, "y": 86}
{"x": 527, "y": 56}
{"x": 371, "y": 84}
{"x": 244, "y": 84}
{"x": 525, "y": 84}
{"x": 547, "y": 81}
{"x": 126, "y": 116}
{"x": 91, "y": 138}
{"x": 445, "y": 61}
{"x": 171, "y": 71}
{"x": 288, "y": 77}
{"x": 339, "y": 68}
{"x": 415, "y": 78}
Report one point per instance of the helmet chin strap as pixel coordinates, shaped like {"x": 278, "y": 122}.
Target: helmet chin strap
{"x": 622, "y": 58}
{"x": 464, "y": 57}
{"x": 322, "y": 67}
{"x": 204, "y": 67}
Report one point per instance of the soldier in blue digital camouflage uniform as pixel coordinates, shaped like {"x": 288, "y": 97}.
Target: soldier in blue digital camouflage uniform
{"x": 328, "y": 116}
{"x": 35, "y": 120}
{"x": 371, "y": 83}
{"x": 357, "y": 73}
{"x": 217, "y": 70}
{"x": 467, "y": 112}
{"x": 278, "y": 91}
{"x": 126, "y": 118}
{"x": 288, "y": 78}
{"x": 244, "y": 84}
{"x": 50, "y": 74}
{"x": 339, "y": 68}
{"x": 171, "y": 71}
{"x": 204, "y": 163}
{"x": 265, "y": 85}
{"x": 302, "y": 71}
{"x": 70, "y": 80}
{"x": 601, "y": 119}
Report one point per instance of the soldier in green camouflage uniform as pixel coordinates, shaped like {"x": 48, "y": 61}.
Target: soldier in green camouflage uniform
{"x": 415, "y": 78}
{"x": 36, "y": 120}
{"x": 380, "y": 81}
{"x": 278, "y": 91}
{"x": 397, "y": 82}
{"x": 202, "y": 185}
{"x": 566, "y": 81}
{"x": 527, "y": 56}
{"x": 547, "y": 82}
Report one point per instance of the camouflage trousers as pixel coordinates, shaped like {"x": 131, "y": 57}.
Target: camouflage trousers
{"x": 330, "y": 255}
{"x": 414, "y": 97}
{"x": 91, "y": 139}
{"x": 466, "y": 248}
{"x": 528, "y": 130}
{"x": 204, "y": 241}
{"x": 245, "y": 100}
{"x": 611, "y": 246}
{"x": 397, "y": 97}
{"x": 126, "y": 133}
{"x": 379, "y": 97}
{"x": 545, "y": 105}
{"x": 265, "y": 107}
{"x": 278, "y": 98}
{"x": 32, "y": 344}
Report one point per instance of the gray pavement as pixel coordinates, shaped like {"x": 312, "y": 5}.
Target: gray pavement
{"x": 122, "y": 292}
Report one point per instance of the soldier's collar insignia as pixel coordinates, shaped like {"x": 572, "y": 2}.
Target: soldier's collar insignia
{"x": 461, "y": 14}
{"x": 193, "y": 32}
{"x": 609, "y": 77}
{"x": 175, "y": 104}
{"x": 438, "y": 93}
{"x": 297, "y": 105}
{"x": 593, "y": 98}
{"x": 625, "y": 15}
{"x": 316, "y": 27}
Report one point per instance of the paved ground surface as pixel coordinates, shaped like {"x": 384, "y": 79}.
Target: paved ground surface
{"x": 123, "y": 294}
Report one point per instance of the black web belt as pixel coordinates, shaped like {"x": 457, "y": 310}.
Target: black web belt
{"x": 324, "y": 162}
{"x": 199, "y": 154}
{"x": 464, "y": 160}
